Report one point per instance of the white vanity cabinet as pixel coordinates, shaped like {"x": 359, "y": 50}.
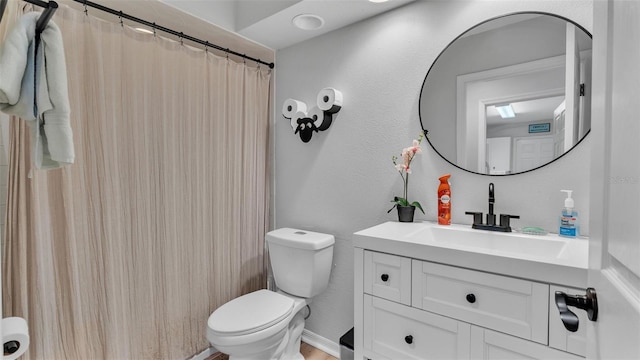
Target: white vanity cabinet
{"x": 410, "y": 308}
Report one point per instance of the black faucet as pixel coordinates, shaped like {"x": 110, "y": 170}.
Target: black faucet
{"x": 491, "y": 217}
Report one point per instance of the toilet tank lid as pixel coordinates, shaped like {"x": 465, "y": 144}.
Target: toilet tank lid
{"x": 301, "y": 239}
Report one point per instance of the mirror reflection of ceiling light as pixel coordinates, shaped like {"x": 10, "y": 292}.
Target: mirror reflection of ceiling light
{"x": 505, "y": 111}
{"x": 308, "y": 21}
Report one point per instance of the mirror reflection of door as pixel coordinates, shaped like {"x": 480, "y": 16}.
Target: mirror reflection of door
{"x": 531, "y": 152}
{"x": 524, "y": 141}
{"x": 558, "y": 128}
{"x": 498, "y": 155}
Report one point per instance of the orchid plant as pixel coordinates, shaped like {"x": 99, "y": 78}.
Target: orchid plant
{"x": 404, "y": 168}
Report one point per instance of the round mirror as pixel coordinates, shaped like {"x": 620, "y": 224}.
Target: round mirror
{"x": 509, "y": 95}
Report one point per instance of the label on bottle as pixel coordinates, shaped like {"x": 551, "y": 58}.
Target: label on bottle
{"x": 568, "y": 225}
{"x": 444, "y": 207}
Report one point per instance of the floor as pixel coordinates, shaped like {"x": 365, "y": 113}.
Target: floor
{"x": 308, "y": 351}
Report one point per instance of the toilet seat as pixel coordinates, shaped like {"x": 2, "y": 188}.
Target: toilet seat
{"x": 250, "y": 313}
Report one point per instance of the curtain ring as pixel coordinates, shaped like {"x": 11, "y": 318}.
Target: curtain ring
{"x": 86, "y": 10}
{"x": 154, "y": 29}
{"x": 120, "y": 17}
{"x": 181, "y": 42}
{"x": 206, "y": 46}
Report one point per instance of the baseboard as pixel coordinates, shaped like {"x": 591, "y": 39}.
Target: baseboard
{"x": 205, "y": 354}
{"x": 321, "y": 343}
{"x": 311, "y": 338}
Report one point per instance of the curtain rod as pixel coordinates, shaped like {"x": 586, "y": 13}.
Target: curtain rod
{"x": 48, "y": 5}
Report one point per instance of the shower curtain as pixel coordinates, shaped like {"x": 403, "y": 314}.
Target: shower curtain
{"x": 161, "y": 219}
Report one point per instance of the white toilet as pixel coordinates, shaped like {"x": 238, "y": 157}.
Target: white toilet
{"x": 268, "y": 325}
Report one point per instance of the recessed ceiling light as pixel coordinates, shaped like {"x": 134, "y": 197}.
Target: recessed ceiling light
{"x": 308, "y": 21}
{"x": 378, "y": 1}
{"x": 505, "y": 111}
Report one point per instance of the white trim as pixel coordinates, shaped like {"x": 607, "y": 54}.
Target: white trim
{"x": 204, "y": 354}
{"x": 321, "y": 343}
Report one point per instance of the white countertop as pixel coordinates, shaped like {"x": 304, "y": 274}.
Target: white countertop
{"x": 430, "y": 241}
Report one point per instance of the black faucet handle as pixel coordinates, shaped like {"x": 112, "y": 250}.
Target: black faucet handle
{"x": 477, "y": 216}
{"x": 505, "y": 220}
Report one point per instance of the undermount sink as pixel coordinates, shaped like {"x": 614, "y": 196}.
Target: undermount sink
{"x": 518, "y": 245}
{"x": 532, "y": 245}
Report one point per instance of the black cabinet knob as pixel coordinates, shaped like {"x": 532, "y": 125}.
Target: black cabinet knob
{"x": 408, "y": 339}
{"x": 384, "y": 277}
{"x": 471, "y": 298}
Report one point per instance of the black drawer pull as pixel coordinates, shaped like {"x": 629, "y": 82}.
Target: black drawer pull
{"x": 471, "y": 298}
{"x": 408, "y": 339}
{"x": 384, "y": 277}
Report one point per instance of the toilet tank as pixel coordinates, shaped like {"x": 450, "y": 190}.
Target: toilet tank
{"x": 301, "y": 260}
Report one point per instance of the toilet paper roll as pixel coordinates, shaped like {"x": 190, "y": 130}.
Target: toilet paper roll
{"x": 15, "y": 337}
{"x": 291, "y": 107}
{"x": 330, "y": 100}
{"x": 321, "y": 119}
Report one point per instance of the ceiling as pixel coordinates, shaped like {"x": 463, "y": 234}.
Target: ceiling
{"x": 269, "y": 22}
{"x": 527, "y": 111}
{"x": 229, "y": 23}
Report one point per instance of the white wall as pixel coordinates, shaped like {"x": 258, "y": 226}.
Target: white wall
{"x": 343, "y": 179}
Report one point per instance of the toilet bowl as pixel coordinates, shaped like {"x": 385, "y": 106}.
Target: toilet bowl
{"x": 268, "y": 325}
{"x": 258, "y": 325}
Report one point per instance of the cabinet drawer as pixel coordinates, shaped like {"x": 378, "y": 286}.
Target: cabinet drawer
{"x": 400, "y": 332}
{"x": 514, "y": 306}
{"x": 387, "y": 276}
{"x": 559, "y": 336}
{"x": 491, "y": 345}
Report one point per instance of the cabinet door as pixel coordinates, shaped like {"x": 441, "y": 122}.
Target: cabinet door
{"x": 490, "y": 345}
{"x": 387, "y": 276}
{"x": 396, "y": 331}
{"x": 561, "y": 338}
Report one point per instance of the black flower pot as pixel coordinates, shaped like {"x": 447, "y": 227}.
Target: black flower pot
{"x": 405, "y": 213}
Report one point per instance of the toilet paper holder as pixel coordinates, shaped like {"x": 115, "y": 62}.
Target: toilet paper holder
{"x": 319, "y": 118}
{"x": 11, "y": 347}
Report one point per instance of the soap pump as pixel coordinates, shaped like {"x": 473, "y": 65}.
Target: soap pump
{"x": 569, "y": 224}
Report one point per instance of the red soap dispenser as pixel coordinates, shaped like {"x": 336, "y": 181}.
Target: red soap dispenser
{"x": 444, "y": 200}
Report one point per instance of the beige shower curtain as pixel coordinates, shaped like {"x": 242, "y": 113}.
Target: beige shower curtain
{"x": 124, "y": 254}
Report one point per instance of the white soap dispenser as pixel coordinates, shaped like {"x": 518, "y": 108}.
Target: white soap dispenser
{"x": 569, "y": 223}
